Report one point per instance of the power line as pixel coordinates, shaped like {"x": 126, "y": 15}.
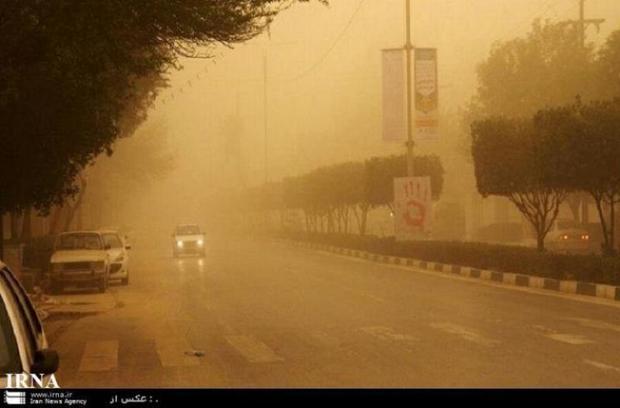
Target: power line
{"x": 333, "y": 45}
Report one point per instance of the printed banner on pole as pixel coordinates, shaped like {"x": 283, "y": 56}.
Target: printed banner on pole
{"x": 413, "y": 207}
{"x": 394, "y": 95}
{"x": 426, "y": 116}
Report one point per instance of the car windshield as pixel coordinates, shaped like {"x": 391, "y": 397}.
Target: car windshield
{"x": 187, "y": 230}
{"x": 79, "y": 241}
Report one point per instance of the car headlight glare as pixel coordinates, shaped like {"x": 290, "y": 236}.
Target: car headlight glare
{"x": 180, "y": 244}
{"x": 200, "y": 242}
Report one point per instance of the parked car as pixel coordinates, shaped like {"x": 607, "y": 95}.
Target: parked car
{"x": 567, "y": 236}
{"x": 24, "y": 347}
{"x": 187, "y": 239}
{"x": 118, "y": 251}
{"x": 80, "y": 259}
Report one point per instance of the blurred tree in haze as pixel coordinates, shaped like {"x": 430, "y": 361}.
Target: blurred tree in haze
{"x": 76, "y": 75}
{"x": 546, "y": 68}
{"x": 515, "y": 160}
{"x": 588, "y": 136}
{"x": 331, "y": 196}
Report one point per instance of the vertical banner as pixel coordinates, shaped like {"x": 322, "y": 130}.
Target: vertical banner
{"x": 413, "y": 207}
{"x": 426, "y": 116}
{"x": 394, "y": 95}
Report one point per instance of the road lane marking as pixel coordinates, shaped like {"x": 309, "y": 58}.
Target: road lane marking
{"x": 595, "y": 324}
{"x": 387, "y": 334}
{"x": 575, "y": 339}
{"x": 101, "y": 355}
{"x": 171, "y": 352}
{"x": 602, "y": 366}
{"x": 464, "y": 333}
{"x": 253, "y": 350}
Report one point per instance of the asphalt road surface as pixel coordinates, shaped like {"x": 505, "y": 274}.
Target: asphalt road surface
{"x": 270, "y": 314}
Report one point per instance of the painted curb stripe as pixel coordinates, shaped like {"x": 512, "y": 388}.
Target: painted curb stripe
{"x": 571, "y": 287}
{"x": 497, "y": 276}
{"x": 522, "y": 280}
{"x": 584, "y": 288}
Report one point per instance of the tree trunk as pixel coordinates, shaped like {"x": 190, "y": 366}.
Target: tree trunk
{"x": 599, "y": 207}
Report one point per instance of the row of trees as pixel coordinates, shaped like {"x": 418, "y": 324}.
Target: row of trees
{"x": 76, "y": 76}
{"x": 331, "y": 196}
{"x": 536, "y": 162}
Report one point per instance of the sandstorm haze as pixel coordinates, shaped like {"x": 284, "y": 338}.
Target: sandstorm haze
{"x": 323, "y": 94}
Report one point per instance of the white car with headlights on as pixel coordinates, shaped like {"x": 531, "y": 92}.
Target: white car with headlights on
{"x": 118, "y": 251}
{"x": 80, "y": 259}
{"x": 24, "y": 348}
{"x": 187, "y": 239}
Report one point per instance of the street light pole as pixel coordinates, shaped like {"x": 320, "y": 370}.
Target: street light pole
{"x": 410, "y": 127}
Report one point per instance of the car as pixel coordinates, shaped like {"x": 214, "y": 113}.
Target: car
{"x": 80, "y": 258}
{"x": 118, "y": 251}
{"x": 24, "y": 348}
{"x": 568, "y": 236}
{"x": 188, "y": 239}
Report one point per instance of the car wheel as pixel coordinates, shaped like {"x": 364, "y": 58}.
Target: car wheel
{"x": 125, "y": 280}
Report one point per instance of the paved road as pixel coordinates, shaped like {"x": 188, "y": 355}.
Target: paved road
{"x": 274, "y": 315}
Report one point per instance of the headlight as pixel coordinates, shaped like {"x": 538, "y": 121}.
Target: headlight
{"x": 180, "y": 244}
{"x": 200, "y": 242}
{"x": 97, "y": 266}
{"x": 120, "y": 258}
{"x": 585, "y": 237}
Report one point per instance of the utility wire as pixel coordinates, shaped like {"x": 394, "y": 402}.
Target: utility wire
{"x": 333, "y": 45}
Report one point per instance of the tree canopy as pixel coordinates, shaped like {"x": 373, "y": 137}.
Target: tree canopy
{"x": 76, "y": 75}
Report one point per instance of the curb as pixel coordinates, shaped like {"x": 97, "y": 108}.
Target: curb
{"x": 538, "y": 282}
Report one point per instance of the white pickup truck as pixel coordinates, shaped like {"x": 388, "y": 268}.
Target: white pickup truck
{"x": 187, "y": 239}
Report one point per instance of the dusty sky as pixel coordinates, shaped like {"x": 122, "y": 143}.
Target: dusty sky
{"x": 324, "y": 87}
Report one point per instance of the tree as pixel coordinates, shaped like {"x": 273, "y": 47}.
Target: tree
{"x": 590, "y": 134}
{"x": 75, "y": 74}
{"x": 546, "y": 68}
{"x": 512, "y": 158}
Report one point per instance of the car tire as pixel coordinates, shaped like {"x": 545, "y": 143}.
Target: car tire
{"x": 125, "y": 280}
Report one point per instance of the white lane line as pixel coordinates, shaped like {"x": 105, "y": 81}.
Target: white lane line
{"x": 464, "y": 333}
{"x": 253, "y": 350}
{"x": 387, "y": 334}
{"x": 595, "y": 324}
{"x": 101, "y": 355}
{"x": 602, "y": 366}
{"x": 575, "y": 339}
{"x": 171, "y": 352}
